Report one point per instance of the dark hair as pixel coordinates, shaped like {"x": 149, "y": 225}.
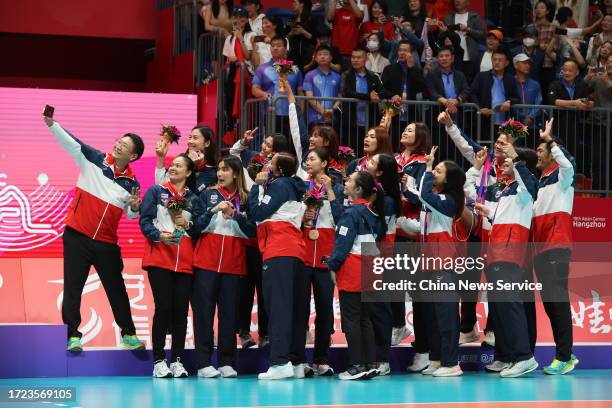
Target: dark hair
{"x": 328, "y": 134}
{"x": 322, "y": 153}
{"x": 445, "y": 48}
{"x": 389, "y": 179}
{"x": 383, "y": 5}
{"x": 500, "y": 51}
{"x": 191, "y": 180}
{"x": 234, "y": 163}
{"x": 383, "y": 141}
{"x": 211, "y": 153}
{"x": 324, "y": 47}
{"x": 367, "y": 182}
{"x": 216, "y": 7}
{"x": 564, "y": 14}
{"x": 286, "y": 163}
{"x": 550, "y": 8}
{"x": 138, "y": 144}
{"x": 422, "y": 9}
{"x": 422, "y": 138}
{"x": 305, "y": 15}
{"x": 454, "y": 37}
{"x": 280, "y": 144}
{"x": 359, "y": 48}
{"x": 279, "y": 38}
{"x": 455, "y": 179}
{"x": 279, "y": 31}
{"x": 405, "y": 42}
{"x": 529, "y": 156}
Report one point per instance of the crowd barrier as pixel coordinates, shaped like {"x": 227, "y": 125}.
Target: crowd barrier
{"x": 585, "y": 133}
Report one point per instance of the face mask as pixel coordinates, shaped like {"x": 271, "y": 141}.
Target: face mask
{"x": 528, "y": 42}
{"x": 372, "y": 45}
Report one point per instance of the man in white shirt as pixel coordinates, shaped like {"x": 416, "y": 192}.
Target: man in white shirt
{"x": 470, "y": 28}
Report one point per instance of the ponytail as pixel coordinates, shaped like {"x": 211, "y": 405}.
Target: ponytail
{"x": 373, "y": 191}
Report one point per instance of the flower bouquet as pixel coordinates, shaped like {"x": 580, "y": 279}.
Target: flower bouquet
{"x": 170, "y": 134}
{"x": 175, "y": 205}
{"x": 284, "y": 68}
{"x": 389, "y": 110}
{"x": 514, "y": 128}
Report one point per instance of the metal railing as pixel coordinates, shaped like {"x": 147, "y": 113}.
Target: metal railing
{"x": 185, "y": 26}
{"x": 585, "y": 134}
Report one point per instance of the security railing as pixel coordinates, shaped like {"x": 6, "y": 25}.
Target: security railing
{"x": 585, "y": 134}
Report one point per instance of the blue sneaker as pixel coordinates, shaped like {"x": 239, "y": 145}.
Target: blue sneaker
{"x": 561, "y": 367}
{"x": 75, "y": 345}
{"x": 131, "y": 342}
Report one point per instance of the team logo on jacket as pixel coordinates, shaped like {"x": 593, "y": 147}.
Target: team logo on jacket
{"x": 214, "y": 198}
{"x": 498, "y": 194}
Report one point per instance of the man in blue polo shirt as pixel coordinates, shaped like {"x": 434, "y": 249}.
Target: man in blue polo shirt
{"x": 266, "y": 80}
{"x": 322, "y": 82}
{"x": 528, "y": 91}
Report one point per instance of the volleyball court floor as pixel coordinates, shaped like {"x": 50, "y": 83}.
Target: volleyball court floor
{"x": 580, "y": 389}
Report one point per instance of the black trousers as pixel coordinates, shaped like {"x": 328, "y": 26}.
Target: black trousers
{"x": 323, "y": 291}
{"x": 398, "y": 313}
{"x": 469, "y": 298}
{"x": 382, "y": 324}
{"x": 442, "y": 321}
{"x": 508, "y": 312}
{"x": 282, "y": 285}
{"x": 249, "y": 285}
{"x": 171, "y": 294}
{"x": 213, "y": 290}
{"x": 80, "y": 254}
{"x": 358, "y": 329}
{"x": 552, "y": 271}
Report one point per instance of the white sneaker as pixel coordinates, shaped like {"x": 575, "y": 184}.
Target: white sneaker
{"x": 323, "y": 370}
{"x": 208, "y": 372}
{"x": 420, "y": 362}
{"x": 384, "y": 369}
{"x": 489, "y": 338}
{"x": 448, "y": 371}
{"x": 353, "y": 373}
{"x": 433, "y": 366}
{"x": 277, "y": 372}
{"x": 161, "y": 370}
{"x": 520, "y": 368}
{"x": 228, "y": 372}
{"x": 399, "y": 334}
{"x": 178, "y": 370}
{"x": 470, "y": 337}
{"x": 497, "y": 366}
{"x": 298, "y": 371}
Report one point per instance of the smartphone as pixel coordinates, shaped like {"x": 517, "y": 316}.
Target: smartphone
{"x": 49, "y": 111}
{"x": 260, "y": 38}
{"x": 560, "y": 31}
{"x": 600, "y": 70}
{"x": 453, "y": 27}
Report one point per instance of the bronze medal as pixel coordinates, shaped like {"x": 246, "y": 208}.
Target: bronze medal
{"x": 313, "y": 234}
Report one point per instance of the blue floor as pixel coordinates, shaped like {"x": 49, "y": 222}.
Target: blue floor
{"x": 144, "y": 392}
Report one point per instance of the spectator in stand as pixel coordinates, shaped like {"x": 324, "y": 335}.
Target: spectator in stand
{"x": 495, "y": 92}
{"x": 376, "y": 62}
{"x": 447, "y": 85}
{"x": 568, "y": 40}
{"x": 217, "y": 17}
{"x": 324, "y": 38}
{"x": 451, "y": 39}
{"x": 402, "y": 82}
{"x": 597, "y": 41}
{"x": 260, "y": 45}
{"x": 416, "y": 15}
{"x": 570, "y": 92}
{"x": 397, "y": 8}
{"x": 601, "y": 83}
{"x": 235, "y": 50}
{"x": 359, "y": 83}
{"x": 322, "y": 82}
{"x": 580, "y": 11}
{"x": 345, "y": 21}
{"x": 266, "y": 83}
{"x": 302, "y": 38}
{"x": 543, "y": 17}
{"x": 528, "y": 91}
{"x": 378, "y": 22}
{"x": 493, "y": 42}
{"x": 255, "y": 15}
{"x": 406, "y": 32}
{"x": 529, "y": 48}
{"x": 470, "y": 27}
{"x": 604, "y": 51}
{"x": 440, "y": 8}
{"x": 606, "y": 7}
